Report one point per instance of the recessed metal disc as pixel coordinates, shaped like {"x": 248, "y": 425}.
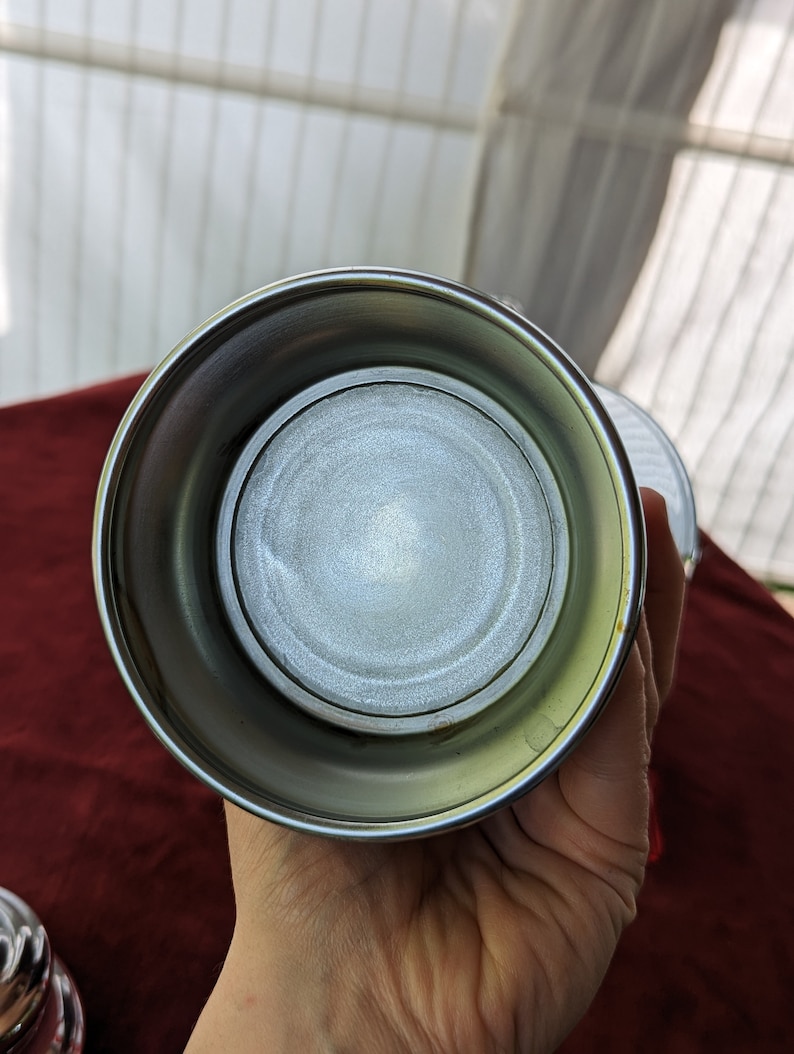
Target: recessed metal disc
{"x": 386, "y": 549}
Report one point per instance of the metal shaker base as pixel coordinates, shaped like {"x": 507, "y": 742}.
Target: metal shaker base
{"x": 266, "y": 701}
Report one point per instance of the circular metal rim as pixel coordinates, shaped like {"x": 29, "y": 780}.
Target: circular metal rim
{"x": 626, "y": 495}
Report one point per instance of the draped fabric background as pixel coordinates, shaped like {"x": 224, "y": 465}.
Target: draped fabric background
{"x": 576, "y": 168}
{"x": 622, "y": 169}
{"x": 705, "y": 341}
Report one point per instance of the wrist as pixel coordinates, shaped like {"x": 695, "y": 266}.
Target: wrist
{"x": 250, "y": 1009}
{"x": 274, "y": 1000}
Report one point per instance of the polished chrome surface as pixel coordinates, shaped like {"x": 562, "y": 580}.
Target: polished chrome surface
{"x": 40, "y": 1007}
{"x": 24, "y": 969}
{"x": 68, "y": 1017}
{"x": 234, "y": 592}
{"x": 656, "y": 463}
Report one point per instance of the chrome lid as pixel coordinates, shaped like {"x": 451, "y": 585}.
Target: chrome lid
{"x": 24, "y": 969}
{"x": 40, "y": 1008}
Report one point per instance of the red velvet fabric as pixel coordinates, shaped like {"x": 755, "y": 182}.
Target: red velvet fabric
{"x": 122, "y": 853}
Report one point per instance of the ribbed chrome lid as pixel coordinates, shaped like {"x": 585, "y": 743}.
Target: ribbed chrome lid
{"x": 25, "y": 962}
{"x": 40, "y": 1007}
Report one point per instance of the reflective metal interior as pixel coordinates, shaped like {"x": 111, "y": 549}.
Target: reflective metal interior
{"x": 24, "y": 970}
{"x": 252, "y": 595}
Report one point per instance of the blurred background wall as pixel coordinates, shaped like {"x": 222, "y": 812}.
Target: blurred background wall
{"x": 623, "y": 169}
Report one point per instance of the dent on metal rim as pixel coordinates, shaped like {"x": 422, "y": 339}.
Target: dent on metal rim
{"x": 199, "y": 693}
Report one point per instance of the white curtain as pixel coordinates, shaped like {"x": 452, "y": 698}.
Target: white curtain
{"x": 706, "y": 340}
{"x": 595, "y": 100}
{"x": 621, "y": 168}
{"x": 167, "y": 157}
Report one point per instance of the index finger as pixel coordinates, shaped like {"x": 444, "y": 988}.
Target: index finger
{"x": 664, "y": 590}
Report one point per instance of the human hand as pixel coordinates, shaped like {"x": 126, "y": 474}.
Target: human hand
{"x": 491, "y": 938}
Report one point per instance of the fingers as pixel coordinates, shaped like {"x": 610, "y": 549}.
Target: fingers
{"x": 603, "y": 780}
{"x": 664, "y": 591}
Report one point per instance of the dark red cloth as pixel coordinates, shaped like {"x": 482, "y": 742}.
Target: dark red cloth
{"x": 122, "y": 853}
{"x": 709, "y": 963}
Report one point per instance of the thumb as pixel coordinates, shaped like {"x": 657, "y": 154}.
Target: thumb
{"x": 605, "y": 779}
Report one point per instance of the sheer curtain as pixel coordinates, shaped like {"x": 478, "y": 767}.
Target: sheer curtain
{"x": 622, "y": 169}
{"x": 167, "y": 157}
{"x": 705, "y": 341}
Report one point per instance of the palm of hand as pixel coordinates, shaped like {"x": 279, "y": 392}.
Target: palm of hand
{"x": 491, "y": 938}
{"x": 473, "y": 941}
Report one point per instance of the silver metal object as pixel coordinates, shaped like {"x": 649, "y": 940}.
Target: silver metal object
{"x": 387, "y": 552}
{"x": 656, "y": 463}
{"x": 40, "y": 1007}
{"x": 368, "y": 553}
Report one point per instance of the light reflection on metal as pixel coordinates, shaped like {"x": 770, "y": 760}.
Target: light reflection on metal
{"x": 40, "y": 1007}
